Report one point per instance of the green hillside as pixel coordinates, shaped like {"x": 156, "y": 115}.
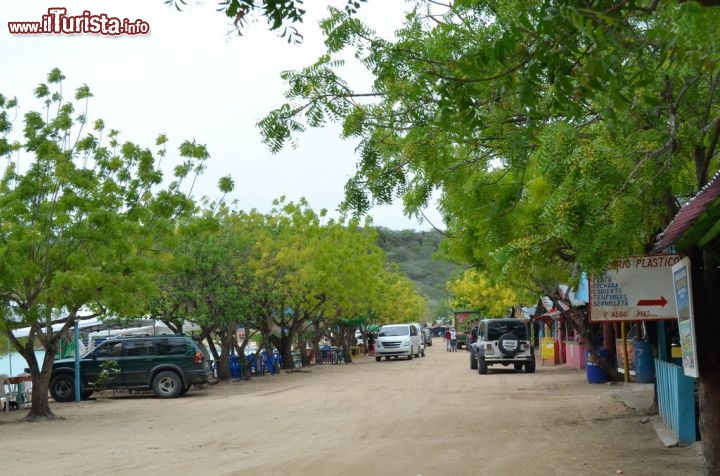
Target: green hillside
{"x": 414, "y": 252}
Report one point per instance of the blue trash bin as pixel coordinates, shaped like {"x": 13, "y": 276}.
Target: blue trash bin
{"x": 644, "y": 362}
{"x": 595, "y": 373}
{"x": 234, "y": 365}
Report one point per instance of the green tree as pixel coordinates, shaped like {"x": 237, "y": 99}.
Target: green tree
{"x": 219, "y": 279}
{"x": 346, "y": 261}
{"x": 559, "y": 134}
{"x": 360, "y": 283}
{"x": 281, "y": 15}
{"x": 83, "y": 223}
{"x": 285, "y": 279}
{"x": 398, "y": 301}
{"x": 474, "y": 291}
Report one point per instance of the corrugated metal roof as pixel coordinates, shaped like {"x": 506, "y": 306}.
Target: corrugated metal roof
{"x": 689, "y": 214}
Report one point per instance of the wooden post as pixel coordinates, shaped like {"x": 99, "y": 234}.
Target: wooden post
{"x": 626, "y": 363}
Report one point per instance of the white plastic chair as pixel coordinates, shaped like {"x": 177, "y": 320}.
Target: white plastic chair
{"x": 27, "y": 391}
{"x": 4, "y": 397}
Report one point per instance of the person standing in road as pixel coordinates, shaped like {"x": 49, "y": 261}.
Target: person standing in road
{"x": 453, "y": 340}
{"x": 371, "y": 343}
{"x": 447, "y": 339}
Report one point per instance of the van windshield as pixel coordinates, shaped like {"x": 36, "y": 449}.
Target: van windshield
{"x": 394, "y": 331}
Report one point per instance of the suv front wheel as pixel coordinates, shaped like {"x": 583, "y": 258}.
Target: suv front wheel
{"x": 167, "y": 384}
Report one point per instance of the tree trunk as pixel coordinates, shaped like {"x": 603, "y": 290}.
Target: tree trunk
{"x": 284, "y": 347}
{"x": 40, "y": 405}
{"x": 709, "y": 395}
{"x": 706, "y": 299}
{"x": 222, "y": 367}
{"x": 316, "y": 342}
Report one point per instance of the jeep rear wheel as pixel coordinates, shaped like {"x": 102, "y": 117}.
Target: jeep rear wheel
{"x": 530, "y": 366}
{"x": 473, "y": 361}
{"x": 62, "y": 388}
{"x": 482, "y": 365}
{"x": 167, "y": 384}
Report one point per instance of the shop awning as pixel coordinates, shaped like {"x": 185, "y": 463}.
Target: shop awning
{"x": 697, "y": 222}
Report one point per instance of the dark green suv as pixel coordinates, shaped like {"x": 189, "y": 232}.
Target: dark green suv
{"x": 169, "y": 365}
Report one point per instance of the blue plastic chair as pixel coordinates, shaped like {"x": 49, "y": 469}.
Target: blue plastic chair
{"x": 278, "y": 359}
{"x": 267, "y": 363}
{"x": 326, "y": 354}
{"x": 234, "y": 364}
{"x": 255, "y": 365}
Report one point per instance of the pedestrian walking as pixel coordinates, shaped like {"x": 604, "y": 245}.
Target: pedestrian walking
{"x": 371, "y": 343}
{"x": 453, "y": 340}
{"x": 447, "y": 339}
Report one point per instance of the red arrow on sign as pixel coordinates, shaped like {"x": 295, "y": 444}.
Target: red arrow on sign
{"x": 653, "y": 302}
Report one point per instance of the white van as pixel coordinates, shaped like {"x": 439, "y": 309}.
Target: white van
{"x": 399, "y": 340}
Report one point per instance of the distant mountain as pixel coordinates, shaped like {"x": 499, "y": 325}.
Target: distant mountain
{"x": 415, "y": 254}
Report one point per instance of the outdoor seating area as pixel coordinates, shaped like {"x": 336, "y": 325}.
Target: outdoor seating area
{"x": 15, "y": 392}
{"x": 256, "y": 366}
{"x": 331, "y": 355}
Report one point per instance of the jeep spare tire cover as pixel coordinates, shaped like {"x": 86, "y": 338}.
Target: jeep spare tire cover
{"x": 509, "y": 344}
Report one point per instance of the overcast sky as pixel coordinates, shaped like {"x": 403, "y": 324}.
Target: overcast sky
{"x": 191, "y": 79}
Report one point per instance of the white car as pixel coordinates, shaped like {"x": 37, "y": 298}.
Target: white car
{"x": 399, "y": 340}
{"x": 427, "y": 336}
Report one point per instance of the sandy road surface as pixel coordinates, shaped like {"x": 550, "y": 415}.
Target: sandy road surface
{"x": 429, "y": 416}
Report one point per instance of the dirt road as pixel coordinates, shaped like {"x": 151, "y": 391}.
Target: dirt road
{"x": 429, "y": 416}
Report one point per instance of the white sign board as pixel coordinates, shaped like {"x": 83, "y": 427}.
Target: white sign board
{"x": 685, "y": 315}
{"x": 635, "y": 289}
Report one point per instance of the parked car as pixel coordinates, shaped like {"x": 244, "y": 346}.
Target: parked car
{"x": 502, "y": 341}
{"x": 399, "y": 340}
{"x": 461, "y": 339}
{"x": 473, "y": 336}
{"x": 169, "y": 365}
{"x": 422, "y": 337}
{"x": 427, "y": 336}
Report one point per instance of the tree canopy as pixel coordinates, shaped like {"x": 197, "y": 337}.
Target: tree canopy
{"x": 86, "y": 221}
{"x": 473, "y": 290}
{"x": 280, "y": 15}
{"x": 286, "y": 277}
{"x": 560, "y": 135}
{"x": 90, "y": 227}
